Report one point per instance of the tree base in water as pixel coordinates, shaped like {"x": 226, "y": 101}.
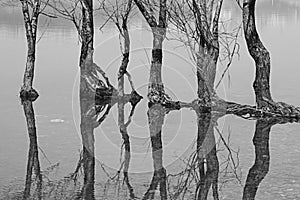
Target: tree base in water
{"x": 277, "y": 110}
{"x": 30, "y": 95}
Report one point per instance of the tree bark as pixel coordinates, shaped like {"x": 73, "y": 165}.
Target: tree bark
{"x": 125, "y": 47}
{"x": 208, "y": 53}
{"x": 260, "y": 55}
{"x": 87, "y": 125}
{"x": 31, "y": 24}
{"x": 156, "y": 93}
{"x": 87, "y": 34}
{"x": 86, "y": 64}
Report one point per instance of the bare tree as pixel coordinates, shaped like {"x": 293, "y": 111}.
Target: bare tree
{"x": 261, "y": 56}
{"x": 119, "y": 12}
{"x": 31, "y": 11}
{"x": 156, "y": 92}
{"x": 197, "y": 26}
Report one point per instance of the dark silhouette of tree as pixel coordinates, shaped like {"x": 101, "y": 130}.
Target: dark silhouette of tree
{"x": 197, "y": 25}
{"x": 198, "y": 30}
{"x": 261, "y": 56}
{"x": 31, "y": 11}
{"x": 119, "y": 13}
{"x": 156, "y": 92}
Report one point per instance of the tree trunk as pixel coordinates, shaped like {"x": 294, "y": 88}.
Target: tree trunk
{"x": 208, "y": 52}
{"x": 87, "y": 46}
{"x": 125, "y": 60}
{"x": 31, "y": 23}
{"x": 155, "y": 87}
{"x": 87, "y": 34}
{"x": 87, "y": 125}
{"x": 206, "y": 73}
{"x": 259, "y": 54}
{"x": 156, "y": 93}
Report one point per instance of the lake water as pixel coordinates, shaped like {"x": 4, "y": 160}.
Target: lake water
{"x": 57, "y": 111}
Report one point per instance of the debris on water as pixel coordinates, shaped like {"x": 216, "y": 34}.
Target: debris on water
{"x": 57, "y": 121}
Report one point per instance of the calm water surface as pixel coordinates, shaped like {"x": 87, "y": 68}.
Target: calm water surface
{"x": 57, "y": 112}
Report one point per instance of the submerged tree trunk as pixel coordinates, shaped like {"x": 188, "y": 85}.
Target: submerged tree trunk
{"x": 31, "y": 23}
{"x": 125, "y": 48}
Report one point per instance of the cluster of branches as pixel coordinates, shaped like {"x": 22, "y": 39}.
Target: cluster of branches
{"x": 196, "y": 24}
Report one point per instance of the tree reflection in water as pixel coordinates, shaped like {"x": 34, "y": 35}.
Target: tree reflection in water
{"x": 93, "y": 113}
{"x": 200, "y": 178}
{"x": 156, "y": 116}
{"x": 261, "y": 165}
{"x": 33, "y": 163}
{"x": 202, "y": 165}
{"x": 201, "y": 175}
{"x": 207, "y": 160}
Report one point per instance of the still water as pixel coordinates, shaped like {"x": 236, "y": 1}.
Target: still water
{"x": 258, "y": 149}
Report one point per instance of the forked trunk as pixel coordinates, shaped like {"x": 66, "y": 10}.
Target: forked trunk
{"x": 208, "y": 52}
{"x": 156, "y": 93}
{"x": 125, "y": 59}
